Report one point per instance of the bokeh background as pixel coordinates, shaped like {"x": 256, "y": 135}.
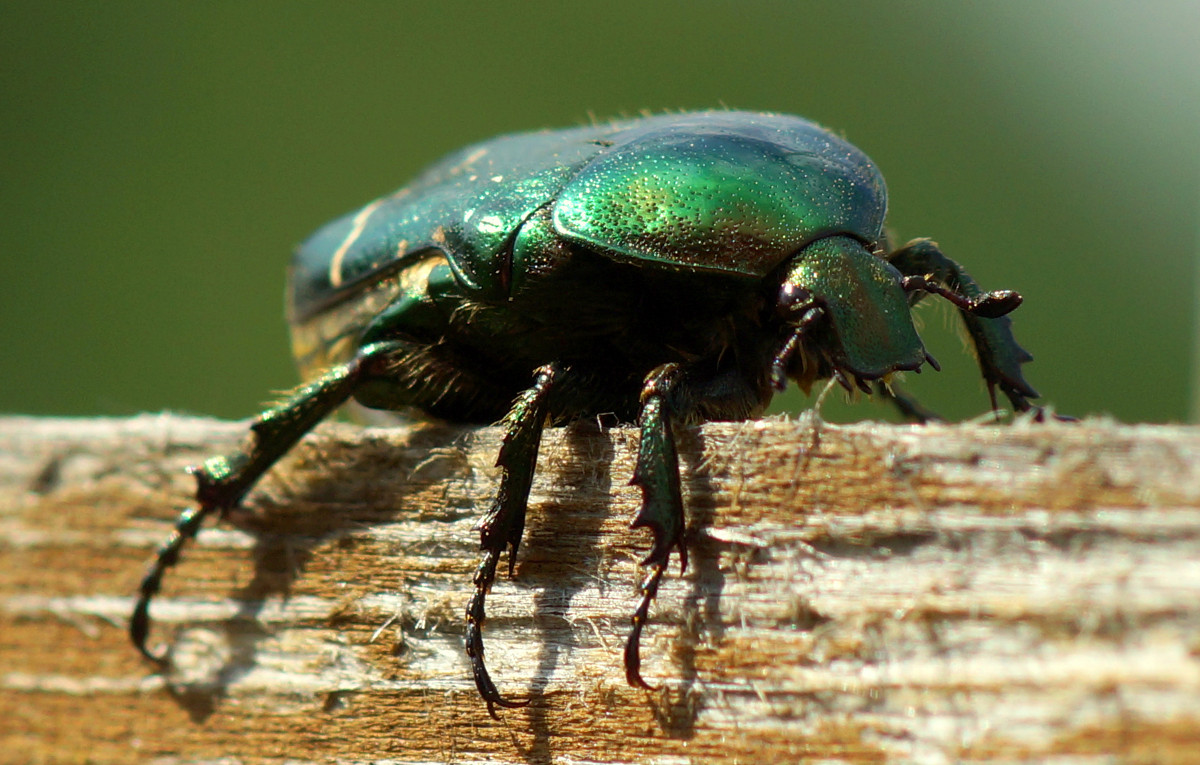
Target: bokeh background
{"x": 160, "y": 160}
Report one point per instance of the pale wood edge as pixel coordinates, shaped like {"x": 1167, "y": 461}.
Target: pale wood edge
{"x": 882, "y": 593}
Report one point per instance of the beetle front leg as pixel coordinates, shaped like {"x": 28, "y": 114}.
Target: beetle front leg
{"x": 223, "y": 481}
{"x": 505, "y": 520}
{"x": 906, "y": 404}
{"x": 657, "y": 473}
{"x": 1000, "y": 357}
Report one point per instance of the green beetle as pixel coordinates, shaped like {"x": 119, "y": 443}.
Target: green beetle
{"x": 668, "y": 270}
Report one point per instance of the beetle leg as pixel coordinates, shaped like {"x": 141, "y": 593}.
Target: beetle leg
{"x": 782, "y": 360}
{"x": 657, "y": 473}
{"x": 505, "y": 520}
{"x": 1000, "y": 357}
{"x": 223, "y": 481}
{"x": 908, "y": 406}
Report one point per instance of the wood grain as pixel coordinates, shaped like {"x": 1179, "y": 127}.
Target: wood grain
{"x": 877, "y": 594}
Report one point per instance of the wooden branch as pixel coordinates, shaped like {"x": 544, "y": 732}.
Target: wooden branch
{"x": 892, "y": 594}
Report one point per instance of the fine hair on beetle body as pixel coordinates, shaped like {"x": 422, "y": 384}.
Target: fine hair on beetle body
{"x": 668, "y": 270}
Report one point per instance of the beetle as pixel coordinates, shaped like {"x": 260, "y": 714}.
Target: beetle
{"x": 670, "y": 270}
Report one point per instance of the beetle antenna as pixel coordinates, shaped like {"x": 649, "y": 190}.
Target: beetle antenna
{"x": 989, "y": 305}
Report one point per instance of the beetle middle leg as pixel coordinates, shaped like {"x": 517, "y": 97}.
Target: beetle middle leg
{"x": 505, "y": 520}
{"x": 657, "y": 473}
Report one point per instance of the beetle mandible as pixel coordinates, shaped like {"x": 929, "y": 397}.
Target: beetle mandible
{"x": 669, "y": 270}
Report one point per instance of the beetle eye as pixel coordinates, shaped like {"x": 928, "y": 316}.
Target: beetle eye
{"x": 793, "y": 299}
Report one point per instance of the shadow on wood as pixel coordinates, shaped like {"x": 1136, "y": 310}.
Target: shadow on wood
{"x": 910, "y": 594}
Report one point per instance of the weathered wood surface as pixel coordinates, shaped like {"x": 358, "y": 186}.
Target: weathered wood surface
{"x": 904, "y": 594}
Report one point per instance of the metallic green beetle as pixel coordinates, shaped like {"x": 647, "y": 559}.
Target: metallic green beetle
{"x": 668, "y": 270}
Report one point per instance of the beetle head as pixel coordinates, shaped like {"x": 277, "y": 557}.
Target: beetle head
{"x": 848, "y": 316}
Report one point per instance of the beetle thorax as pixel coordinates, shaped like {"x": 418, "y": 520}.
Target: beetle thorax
{"x": 614, "y": 322}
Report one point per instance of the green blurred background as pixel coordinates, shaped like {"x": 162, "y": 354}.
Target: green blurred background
{"x": 160, "y": 161}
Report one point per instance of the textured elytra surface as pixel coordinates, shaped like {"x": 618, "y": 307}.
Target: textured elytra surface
{"x": 930, "y": 594}
{"x": 734, "y": 192}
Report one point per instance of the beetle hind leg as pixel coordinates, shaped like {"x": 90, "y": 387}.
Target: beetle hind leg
{"x": 505, "y": 521}
{"x": 223, "y": 481}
